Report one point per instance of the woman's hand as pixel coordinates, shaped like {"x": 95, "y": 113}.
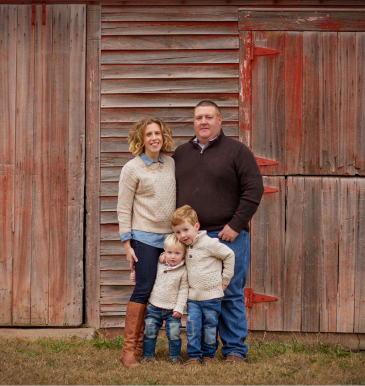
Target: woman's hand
{"x": 131, "y": 256}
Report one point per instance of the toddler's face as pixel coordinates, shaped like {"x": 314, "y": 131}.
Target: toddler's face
{"x": 174, "y": 255}
{"x": 186, "y": 232}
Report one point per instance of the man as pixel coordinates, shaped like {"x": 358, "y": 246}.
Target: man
{"x": 219, "y": 178}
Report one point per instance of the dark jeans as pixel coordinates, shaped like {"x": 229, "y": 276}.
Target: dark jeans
{"x": 146, "y": 270}
{"x": 232, "y": 325}
{"x": 201, "y": 327}
{"x": 154, "y": 320}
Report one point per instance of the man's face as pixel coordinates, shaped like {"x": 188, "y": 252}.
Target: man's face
{"x": 207, "y": 123}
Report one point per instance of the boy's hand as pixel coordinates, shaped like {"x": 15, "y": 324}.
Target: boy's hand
{"x": 224, "y": 287}
{"x": 132, "y": 276}
{"x": 162, "y": 260}
{"x": 227, "y": 234}
{"x": 176, "y": 314}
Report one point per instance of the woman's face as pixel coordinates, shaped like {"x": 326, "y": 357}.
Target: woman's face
{"x": 153, "y": 141}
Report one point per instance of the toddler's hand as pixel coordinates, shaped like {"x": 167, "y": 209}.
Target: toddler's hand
{"x": 162, "y": 258}
{"x": 132, "y": 276}
{"x": 176, "y": 314}
{"x": 224, "y": 287}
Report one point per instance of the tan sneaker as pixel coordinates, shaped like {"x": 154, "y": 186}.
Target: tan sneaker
{"x": 193, "y": 362}
{"x": 207, "y": 361}
{"x": 233, "y": 359}
{"x": 177, "y": 361}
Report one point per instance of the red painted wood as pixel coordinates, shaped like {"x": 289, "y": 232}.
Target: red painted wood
{"x": 360, "y": 108}
{"x": 245, "y": 89}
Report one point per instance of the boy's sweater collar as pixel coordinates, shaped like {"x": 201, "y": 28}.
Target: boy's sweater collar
{"x": 169, "y": 268}
{"x": 200, "y": 235}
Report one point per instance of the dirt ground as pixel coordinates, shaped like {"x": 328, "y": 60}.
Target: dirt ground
{"x": 96, "y": 362}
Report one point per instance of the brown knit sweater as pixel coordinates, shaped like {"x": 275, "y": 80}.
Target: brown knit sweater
{"x": 223, "y": 183}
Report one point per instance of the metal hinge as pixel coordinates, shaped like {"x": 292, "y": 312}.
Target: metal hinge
{"x": 252, "y": 51}
{"x": 251, "y": 298}
{"x": 265, "y": 162}
{"x": 34, "y": 10}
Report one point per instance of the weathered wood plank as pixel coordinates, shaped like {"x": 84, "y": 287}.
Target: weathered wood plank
{"x": 8, "y": 49}
{"x": 114, "y": 294}
{"x": 166, "y": 100}
{"x": 115, "y": 278}
{"x": 116, "y": 309}
{"x": 301, "y": 20}
{"x": 310, "y": 138}
{"x": 293, "y": 108}
{"x": 312, "y": 214}
{"x": 328, "y": 274}
{"x": 111, "y": 248}
{"x": 186, "y": 86}
{"x": 92, "y": 176}
{"x": 59, "y": 165}
{"x": 121, "y": 130}
{"x": 169, "y": 28}
{"x": 170, "y": 57}
{"x": 108, "y": 203}
{"x": 114, "y": 263}
{"x": 76, "y": 161}
{"x": 359, "y": 326}
{"x": 141, "y": 71}
{"x": 346, "y": 101}
{"x": 112, "y": 321}
{"x": 114, "y": 159}
{"x": 293, "y": 267}
{"x": 133, "y": 114}
{"x": 22, "y": 263}
{"x": 170, "y": 42}
{"x": 360, "y": 108}
{"x": 41, "y": 176}
{"x": 163, "y": 13}
{"x": 347, "y": 256}
{"x": 328, "y": 111}
{"x": 109, "y": 217}
{"x": 109, "y": 233}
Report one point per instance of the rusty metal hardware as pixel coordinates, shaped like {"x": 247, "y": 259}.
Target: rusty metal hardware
{"x": 265, "y": 162}
{"x": 251, "y": 298}
{"x": 267, "y": 189}
{"x": 252, "y": 51}
{"x": 34, "y": 10}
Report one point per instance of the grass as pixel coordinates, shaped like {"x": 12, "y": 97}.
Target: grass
{"x": 79, "y": 362}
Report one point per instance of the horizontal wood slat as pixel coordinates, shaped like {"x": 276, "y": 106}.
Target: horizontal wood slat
{"x": 114, "y": 159}
{"x": 109, "y": 233}
{"x": 114, "y": 263}
{"x": 112, "y": 248}
{"x": 162, "y": 13}
{"x": 115, "y": 278}
{"x": 301, "y": 20}
{"x": 170, "y": 42}
{"x": 108, "y": 217}
{"x": 169, "y": 28}
{"x": 189, "y": 71}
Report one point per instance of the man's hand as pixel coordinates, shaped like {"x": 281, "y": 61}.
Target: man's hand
{"x": 162, "y": 258}
{"x": 224, "y": 287}
{"x": 227, "y": 234}
{"x": 176, "y": 314}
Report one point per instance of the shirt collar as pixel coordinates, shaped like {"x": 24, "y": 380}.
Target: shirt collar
{"x": 196, "y": 140}
{"x": 169, "y": 268}
{"x": 148, "y": 160}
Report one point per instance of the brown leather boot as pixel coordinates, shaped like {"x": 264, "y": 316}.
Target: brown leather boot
{"x": 139, "y": 347}
{"x": 133, "y": 320}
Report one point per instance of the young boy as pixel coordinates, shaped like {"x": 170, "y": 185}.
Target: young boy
{"x": 207, "y": 283}
{"x": 167, "y": 301}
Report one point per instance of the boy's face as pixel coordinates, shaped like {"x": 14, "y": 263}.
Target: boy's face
{"x": 186, "y": 232}
{"x": 174, "y": 255}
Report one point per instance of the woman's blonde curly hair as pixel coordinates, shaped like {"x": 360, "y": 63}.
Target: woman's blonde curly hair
{"x": 136, "y": 135}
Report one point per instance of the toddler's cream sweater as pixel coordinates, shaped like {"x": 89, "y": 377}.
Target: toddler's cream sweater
{"x": 203, "y": 260}
{"x": 170, "y": 290}
{"x": 147, "y": 196}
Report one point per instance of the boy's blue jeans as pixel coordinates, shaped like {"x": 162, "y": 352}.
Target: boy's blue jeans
{"x": 201, "y": 327}
{"x": 232, "y": 325}
{"x": 154, "y": 320}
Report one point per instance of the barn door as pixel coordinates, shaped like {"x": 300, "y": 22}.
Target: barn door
{"x": 42, "y": 115}
{"x": 302, "y": 99}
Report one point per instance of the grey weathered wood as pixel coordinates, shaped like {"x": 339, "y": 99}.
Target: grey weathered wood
{"x": 114, "y": 159}
{"x": 114, "y": 294}
{"x": 162, "y": 13}
{"x": 108, "y": 204}
{"x": 138, "y": 71}
{"x": 170, "y": 42}
{"x": 169, "y": 28}
{"x": 112, "y": 247}
{"x": 134, "y": 114}
{"x": 92, "y": 177}
{"x": 360, "y": 108}
{"x": 303, "y": 20}
{"x": 113, "y": 263}
{"x": 109, "y": 233}
{"x": 186, "y": 86}
{"x": 115, "y": 278}
{"x": 108, "y": 217}
{"x": 170, "y": 57}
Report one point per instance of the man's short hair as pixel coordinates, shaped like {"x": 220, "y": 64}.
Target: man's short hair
{"x": 185, "y": 213}
{"x": 173, "y": 241}
{"x": 208, "y": 103}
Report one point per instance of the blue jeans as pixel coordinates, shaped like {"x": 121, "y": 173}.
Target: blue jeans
{"x": 201, "y": 327}
{"x": 154, "y": 320}
{"x": 146, "y": 270}
{"x": 232, "y": 325}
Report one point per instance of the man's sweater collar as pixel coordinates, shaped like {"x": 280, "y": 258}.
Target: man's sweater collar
{"x": 210, "y": 143}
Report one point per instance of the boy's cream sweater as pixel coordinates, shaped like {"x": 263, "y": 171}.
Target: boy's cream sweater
{"x": 170, "y": 290}
{"x": 203, "y": 260}
{"x": 147, "y": 196}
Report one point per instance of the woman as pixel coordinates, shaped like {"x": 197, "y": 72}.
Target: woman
{"x": 146, "y": 202}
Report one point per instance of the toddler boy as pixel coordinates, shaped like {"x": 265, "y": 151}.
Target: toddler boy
{"x": 167, "y": 301}
{"x": 207, "y": 283}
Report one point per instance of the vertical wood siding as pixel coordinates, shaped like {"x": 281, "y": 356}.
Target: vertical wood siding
{"x": 43, "y": 103}
{"x": 156, "y": 61}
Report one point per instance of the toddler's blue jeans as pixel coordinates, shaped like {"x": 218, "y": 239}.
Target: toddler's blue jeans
{"x": 201, "y": 327}
{"x": 154, "y": 320}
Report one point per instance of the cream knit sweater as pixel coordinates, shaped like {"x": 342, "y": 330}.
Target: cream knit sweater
{"x": 170, "y": 290}
{"x": 203, "y": 260}
{"x": 147, "y": 196}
